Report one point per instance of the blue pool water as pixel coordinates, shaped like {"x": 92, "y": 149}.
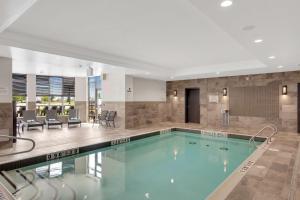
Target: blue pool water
{"x": 172, "y": 166}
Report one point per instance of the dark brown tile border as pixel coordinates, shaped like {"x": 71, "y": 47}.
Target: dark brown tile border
{"x": 43, "y": 158}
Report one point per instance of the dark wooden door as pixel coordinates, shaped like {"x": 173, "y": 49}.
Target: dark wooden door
{"x": 298, "y": 108}
{"x": 192, "y": 105}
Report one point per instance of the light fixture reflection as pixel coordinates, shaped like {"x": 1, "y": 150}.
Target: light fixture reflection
{"x": 147, "y": 195}
{"x": 172, "y": 180}
{"x": 225, "y": 165}
{"x": 175, "y": 154}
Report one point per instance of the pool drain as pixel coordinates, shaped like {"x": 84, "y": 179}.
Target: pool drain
{"x": 224, "y": 148}
{"x": 192, "y": 142}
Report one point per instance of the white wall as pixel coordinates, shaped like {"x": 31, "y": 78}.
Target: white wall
{"x": 31, "y": 87}
{"x": 113, "y": 87}
{"x": 5, "y": 80}
{"x": 145, "y": 89}
{"x": 81, "y": 89}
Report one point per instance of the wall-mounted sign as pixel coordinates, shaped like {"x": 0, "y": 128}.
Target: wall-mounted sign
{"x": 213, "y": 99}
{"x": 3, "y": 91}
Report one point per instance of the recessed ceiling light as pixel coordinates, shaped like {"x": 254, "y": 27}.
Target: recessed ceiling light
{"x": 248, "y": 28}
{"x": 280, "y": 66}
{"x": 217, "y": 73}
{"x": 258, "y": 40}
{"x": 272, "y": 57}
{"x": 226, "y": 3}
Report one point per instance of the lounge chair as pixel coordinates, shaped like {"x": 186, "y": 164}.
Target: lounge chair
{"x": 111, "y": 118}
{"x": 101, "y": 118}
{"x": 29, "y": 120}
{"x": 52, "y": 119}
{"x": 74, "y": 117}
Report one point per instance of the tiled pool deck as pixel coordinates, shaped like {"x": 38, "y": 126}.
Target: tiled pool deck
{"x": 275, "y": 175}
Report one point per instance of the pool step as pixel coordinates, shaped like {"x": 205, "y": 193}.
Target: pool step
{"x": 7, "y": 182}
{"x": 6, "y": 188}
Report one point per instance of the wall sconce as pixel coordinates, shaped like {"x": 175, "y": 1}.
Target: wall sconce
{"x": 224, "y": 92}
{"x": 175, "y": 93}
{"x": 284, "y": 90}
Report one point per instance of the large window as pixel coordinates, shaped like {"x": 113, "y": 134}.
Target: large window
{"x": 54, "y": 92}
{"x": 94, "y": 84}
{"x": 19, "y": 85}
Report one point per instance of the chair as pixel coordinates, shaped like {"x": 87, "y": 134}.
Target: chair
{"x": 29, "y": 120}
{"x": 74, "y": 117}
{"x": 111, "y": 118}
{"x": 101, "y": 118}
{"x": 52, "y": 119}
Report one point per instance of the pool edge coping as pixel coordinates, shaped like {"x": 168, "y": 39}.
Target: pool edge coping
{"x": 220, "y": 192}
{"x": 227, "y": 186}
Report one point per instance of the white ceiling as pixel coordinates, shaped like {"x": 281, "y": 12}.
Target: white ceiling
{"x": 32, "y": 62}
{"x": 170, "y": 39}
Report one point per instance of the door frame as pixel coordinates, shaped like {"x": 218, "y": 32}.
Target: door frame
{"x": 186, "y": 106}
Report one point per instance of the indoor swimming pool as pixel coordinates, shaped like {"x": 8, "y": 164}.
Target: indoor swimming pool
{"x": 175, "y": 165}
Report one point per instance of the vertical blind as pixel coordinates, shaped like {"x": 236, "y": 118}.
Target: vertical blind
{"x": 55, "y": 86}
{"x": 19, "y": 84}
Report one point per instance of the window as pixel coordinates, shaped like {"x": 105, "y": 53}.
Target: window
{"x": 95, "y": 164}
{"x": 94, "y": 84}
{"x": 19, "y": 91}
{"x": 54, "y": 92}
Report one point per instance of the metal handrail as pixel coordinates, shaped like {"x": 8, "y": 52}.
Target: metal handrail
{"x": 271, "y": 126}
{"x": 19, "y": 138}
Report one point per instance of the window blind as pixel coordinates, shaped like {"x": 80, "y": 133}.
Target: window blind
{"x": 19, "y": 84}
{"x": 69, "y": 87}
{"x": 42, "y": 86}
{"x": 55, "y": 86}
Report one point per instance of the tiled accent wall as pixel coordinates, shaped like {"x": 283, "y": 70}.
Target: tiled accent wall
{"x": 82, "y": 108}
{"x": 139, "y": 114}
{"x": 210, "y": 113}
{"x": 120, "y": 108}
{"x": 6, "y": 123}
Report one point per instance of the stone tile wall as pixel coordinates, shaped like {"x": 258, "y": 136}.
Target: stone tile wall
{"x": 120, "y": 108}
{"x": 31, "y": 105}
{"x": 139, "y": 114}
{"x": 82, "y": 108}
{"x": 6, "y": 123}
{"x": 210, "y": 113}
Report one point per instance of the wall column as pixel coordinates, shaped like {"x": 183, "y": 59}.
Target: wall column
{"x": 31, "y": 92}
{"x": 6, "y": 109}
{"x": 81, "y": 97}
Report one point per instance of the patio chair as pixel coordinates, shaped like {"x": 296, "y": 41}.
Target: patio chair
{"x": 74, "y": 118}
{"x": 111, "y": 118}
{"x": 101, "y": 118}
{"x": 52, "y": 119}
{"x": 29, "y": 120}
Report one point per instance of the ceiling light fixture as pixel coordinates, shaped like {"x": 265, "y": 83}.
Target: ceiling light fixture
{"x": 258, "y": 41}
{"x": 272, "y": 57}
{"x": 280, "y": 66}
{"x": 226, "y": 3}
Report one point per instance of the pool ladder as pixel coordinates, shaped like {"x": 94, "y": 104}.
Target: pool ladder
{"x": 18, "y": 138}
{"x": 269, "y": 139}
